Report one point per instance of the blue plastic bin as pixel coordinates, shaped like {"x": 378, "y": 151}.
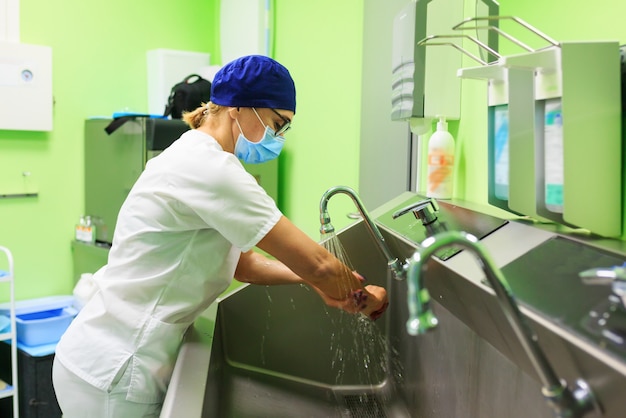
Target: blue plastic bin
{"x": 42, "y": 321}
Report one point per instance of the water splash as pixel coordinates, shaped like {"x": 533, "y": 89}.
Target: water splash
{"x": 333, "y": 245}
{"x": 361, "y": 351}
{"x": 331, "y": 242}
{"x": 357, "y": 340}
{"x": 267, "y": 323}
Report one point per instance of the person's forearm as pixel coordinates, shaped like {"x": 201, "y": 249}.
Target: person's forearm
{"x": 349, "y": 292}
{"x": 257, "y": 269}
{"x": 309, "y": 260}
{"x": 335, "y": 281}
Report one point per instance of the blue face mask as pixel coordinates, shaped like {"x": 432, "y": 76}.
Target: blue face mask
{"x": 266, "y": 149}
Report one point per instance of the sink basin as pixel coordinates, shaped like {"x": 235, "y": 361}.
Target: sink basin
{"x": 553, "y": 267}
{"x": 327, "y": 364}
{"x": 280, "y": 352}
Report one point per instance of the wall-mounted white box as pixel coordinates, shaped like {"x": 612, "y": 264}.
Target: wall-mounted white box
{"x": 424, "y": 81}
{"x": 25, "y": 87}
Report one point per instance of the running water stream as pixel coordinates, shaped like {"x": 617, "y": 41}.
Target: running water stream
{"x": 356, "y": 336}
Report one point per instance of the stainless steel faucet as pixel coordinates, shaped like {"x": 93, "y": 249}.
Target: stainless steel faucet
{"x": 565, "y": 402}
{"x": 326, "y": 227}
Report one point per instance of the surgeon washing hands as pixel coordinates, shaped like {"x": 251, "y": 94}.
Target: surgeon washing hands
{"x": 187, "y": 227}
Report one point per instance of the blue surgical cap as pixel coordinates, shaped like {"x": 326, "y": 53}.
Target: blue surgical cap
{"x": 254, "y": 81}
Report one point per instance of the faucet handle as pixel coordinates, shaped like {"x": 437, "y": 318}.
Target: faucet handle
{"x": 603, "y": 275}
{"x": 615, "y": 276}
{"x": 425, "y": 210}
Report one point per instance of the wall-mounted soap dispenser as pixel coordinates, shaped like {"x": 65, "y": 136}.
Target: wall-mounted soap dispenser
{"x": 511, "y": 125}
{"x": 424, "y": 82}
{"x": 565, "y": 145}
{"x": 499, "y": 131}
{"x": 544, "y": 145}
{"x": 578, "y": 137}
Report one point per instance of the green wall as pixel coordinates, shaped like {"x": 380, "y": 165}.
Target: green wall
{"x": 321, "y": 43}
{"x": 99, "y": 67}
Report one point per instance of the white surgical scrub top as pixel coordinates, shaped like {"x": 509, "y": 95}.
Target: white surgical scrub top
{"x": 178, "y": 239}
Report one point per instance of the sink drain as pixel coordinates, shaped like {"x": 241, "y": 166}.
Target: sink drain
{"x": 364, "y": 406}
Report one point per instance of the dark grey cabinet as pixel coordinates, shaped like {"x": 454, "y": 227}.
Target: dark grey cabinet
{"x": 35, "y": 391}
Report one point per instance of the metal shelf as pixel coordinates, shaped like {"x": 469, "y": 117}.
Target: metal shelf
{"x": 17, "y": 195}
{"x": 10, "y": 337}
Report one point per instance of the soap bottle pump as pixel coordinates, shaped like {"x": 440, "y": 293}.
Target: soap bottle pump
{"x": 440, "y": 162}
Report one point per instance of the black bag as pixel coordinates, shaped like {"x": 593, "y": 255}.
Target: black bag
{"x": 187, "y": 96}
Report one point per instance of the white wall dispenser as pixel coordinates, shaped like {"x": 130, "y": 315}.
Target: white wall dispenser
{"x": 578, "y": 137}
{"x": 565, "y": 142}
{"x": 25, "y": 76}
{"x": 424, "y": 82}
{"x": 25, "y": 87}
{"x": 498, "y": 130}
{"x": 511, "y": 123}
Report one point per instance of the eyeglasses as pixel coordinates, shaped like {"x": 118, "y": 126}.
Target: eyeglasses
{"x": 279, "y": 130}
{"x": 285, "y": 127}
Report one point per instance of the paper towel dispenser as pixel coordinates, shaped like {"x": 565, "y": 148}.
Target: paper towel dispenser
{"x": 424, "y": 81}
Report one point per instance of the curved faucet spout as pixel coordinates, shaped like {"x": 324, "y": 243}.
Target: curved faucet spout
{"x": 565, "y": 402}
{"x": 326, "y": 227}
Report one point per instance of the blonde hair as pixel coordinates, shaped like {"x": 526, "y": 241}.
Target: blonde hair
{"x": 196, "y": 117}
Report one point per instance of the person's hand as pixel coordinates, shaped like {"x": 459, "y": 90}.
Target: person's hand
{"x": 370, "y": 300}
{"x": 376, "y": 303}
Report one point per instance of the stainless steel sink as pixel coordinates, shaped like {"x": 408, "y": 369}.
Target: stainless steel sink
{"x": 279, "y": 352}
{"x": 290, "y": 367}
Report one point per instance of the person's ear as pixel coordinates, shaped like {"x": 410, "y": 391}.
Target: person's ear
{"x": 234, "y": 112}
